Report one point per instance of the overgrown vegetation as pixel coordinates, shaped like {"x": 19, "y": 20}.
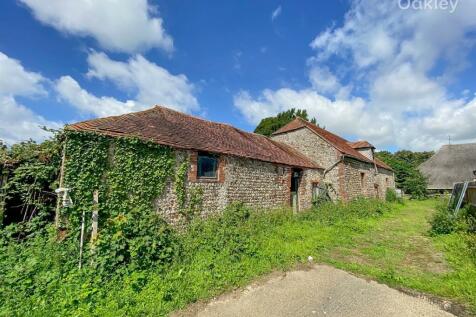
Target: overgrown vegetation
{"x": 407, "y": 176}
{"x": 28, "y": 197}
{"x": 141, "y": 266}
{"x": 41, "y": 274}
{"x": 446, "y": 221}
{"x": 271, "y": 124}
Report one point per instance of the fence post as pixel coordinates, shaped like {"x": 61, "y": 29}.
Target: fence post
{"x": 61, "y": 184}
{"x": 3, "y": 194}
{"x": 95, "y": 215}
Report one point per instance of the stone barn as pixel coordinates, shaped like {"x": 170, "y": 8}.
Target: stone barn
{"x": 231, "y": 165}
{"x": 350, "y": 168}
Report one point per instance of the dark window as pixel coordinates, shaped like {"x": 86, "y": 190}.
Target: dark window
{"x": 207, "y": 165}
{"x": 362, "y": 180}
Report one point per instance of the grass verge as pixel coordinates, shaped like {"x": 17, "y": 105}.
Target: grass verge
{"x": 387, "y": 242}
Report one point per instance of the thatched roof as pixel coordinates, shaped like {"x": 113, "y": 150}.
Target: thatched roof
{"x": 451, "y": 164}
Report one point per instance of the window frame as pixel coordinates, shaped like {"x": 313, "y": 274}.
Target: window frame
{"x": 217, "y": 166}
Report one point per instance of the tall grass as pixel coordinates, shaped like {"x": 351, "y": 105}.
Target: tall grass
{"x": 40, "y": 276}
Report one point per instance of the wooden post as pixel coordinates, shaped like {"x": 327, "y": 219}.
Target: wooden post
{"x": 3, "y": 194}
{"x": 61, "y": 184}
{"x": 95, "y": 214}
{"x": 81, "y": 241}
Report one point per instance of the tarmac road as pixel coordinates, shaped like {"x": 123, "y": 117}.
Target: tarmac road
{"x": 319, "y": 291}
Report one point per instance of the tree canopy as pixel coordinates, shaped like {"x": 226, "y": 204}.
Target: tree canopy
{"x": 407, "y": 176}
{"x": 271, "y": 124}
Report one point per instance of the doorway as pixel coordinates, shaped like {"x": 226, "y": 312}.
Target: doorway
{"x": 295, "y": 180}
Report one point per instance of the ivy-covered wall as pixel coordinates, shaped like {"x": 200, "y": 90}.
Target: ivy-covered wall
{"x": 136, "y": 178}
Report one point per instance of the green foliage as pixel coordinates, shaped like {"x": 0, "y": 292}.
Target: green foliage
{"x": 32, "y": 171}
{"x": 391, "y": 195}
{"x": 445, "y": 221}
{"x": 271, "y": 124}
{"x": 407, "y": 176}
{"x": 189, "y": 203}
{"x": 128, "y": 174}
{"x": 41, "y": 275}
{"x": 330, "y": 213}
{"x": 180, "y": 179}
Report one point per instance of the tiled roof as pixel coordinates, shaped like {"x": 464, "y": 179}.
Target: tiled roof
{"x": 341, "y": 144}
{"x": 176, "y": 129}
{"x": 361, "y": 145}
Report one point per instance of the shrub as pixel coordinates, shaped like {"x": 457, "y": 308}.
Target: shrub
{"x": 143, "y": 267}
{"x": 442, "y": 222}
{"x": 391, "y": 195}
{"x": 329, "y": 212}
{"x": 445, "y": 221}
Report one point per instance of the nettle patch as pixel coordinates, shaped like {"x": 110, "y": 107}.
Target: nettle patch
{"x": 128, "y": 174}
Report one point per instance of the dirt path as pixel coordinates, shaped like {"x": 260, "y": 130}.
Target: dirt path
{"x": 320, "y": 291}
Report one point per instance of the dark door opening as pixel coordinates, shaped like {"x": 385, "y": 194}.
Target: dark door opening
{"x": 295, "y": 179}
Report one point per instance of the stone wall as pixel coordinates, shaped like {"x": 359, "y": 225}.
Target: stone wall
{"x": 308, "y": 178}
{"x": 344, "y": 177}
{"x": 362, "y": 179}
{"x": 257, "y": 184}
{"x": 318, "y": 150}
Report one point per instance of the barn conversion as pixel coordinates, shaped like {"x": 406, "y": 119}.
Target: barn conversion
{"x": 227, "y": 164}
{"x": 453, "y": 163}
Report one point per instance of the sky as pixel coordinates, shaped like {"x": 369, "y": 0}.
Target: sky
{"x": 396, "y": 73}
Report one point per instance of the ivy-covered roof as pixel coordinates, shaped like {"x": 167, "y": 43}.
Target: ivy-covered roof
{"x": 172, "y": 128}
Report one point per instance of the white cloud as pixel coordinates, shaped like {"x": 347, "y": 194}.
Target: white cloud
{"x": 17, "y": 122}
{"x": 323, "y": 80}
{"x": 70, "y": 91}
{"x": 126, "y": 25}
{"x": 150, "y": 83}
{"x": 153, "y": 84}
{"x": 276, "y": 13}
{"x": 399, "y": 62}
{"x": 15, "y": 80}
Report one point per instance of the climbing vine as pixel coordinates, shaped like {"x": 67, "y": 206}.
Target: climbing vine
{"x": 189, "y": 203}
{"x": 128, "y": 174}
{"x": 180, "y": 178}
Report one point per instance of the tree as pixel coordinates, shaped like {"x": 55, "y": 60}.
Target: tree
{"x": 271, "y": 124}
{"x": 405, "y": 165}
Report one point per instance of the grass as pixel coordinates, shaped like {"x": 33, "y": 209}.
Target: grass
{"x": 398, "y": 251}
{"x": 388, "y": 243}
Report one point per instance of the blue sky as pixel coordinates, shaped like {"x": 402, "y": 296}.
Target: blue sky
{"x": 400, "y": 78}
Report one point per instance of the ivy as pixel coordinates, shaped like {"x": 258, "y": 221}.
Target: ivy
{"x": 189, "y": 203}
{"x": 180, "y": 178}
{"x": 129, "y": 175}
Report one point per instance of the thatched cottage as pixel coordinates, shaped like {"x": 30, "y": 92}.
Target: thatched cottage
{"x": 453, "y": 163}
{"x": 290, "y": 168}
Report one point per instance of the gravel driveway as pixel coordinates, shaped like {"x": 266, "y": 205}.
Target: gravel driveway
{"x": 319, "y": 291}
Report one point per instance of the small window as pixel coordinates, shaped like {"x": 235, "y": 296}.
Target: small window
{"x": 207, "y": 165}
{"x": 386, "y": 181}
{"x": 362, "y": 180}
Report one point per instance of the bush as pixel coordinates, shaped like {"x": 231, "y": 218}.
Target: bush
{"x": 445, "y": 221}
{"x": 142, "y": 267}
{"x": 391, "y": 195}
{"x": 329, "y": 212}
